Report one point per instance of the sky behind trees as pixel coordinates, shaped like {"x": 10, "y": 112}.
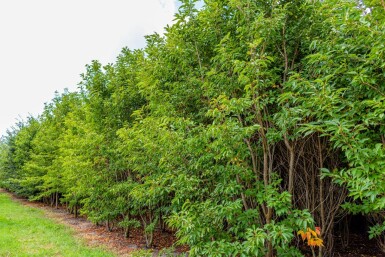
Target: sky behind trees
{"x": 249, "y": 124}
{"x": 46, "y": 44}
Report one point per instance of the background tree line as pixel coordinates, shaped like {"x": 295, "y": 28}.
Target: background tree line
{"x": 247, "y": 122}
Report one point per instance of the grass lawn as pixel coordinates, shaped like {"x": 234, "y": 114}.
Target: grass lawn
{"x": 24, "y": 231}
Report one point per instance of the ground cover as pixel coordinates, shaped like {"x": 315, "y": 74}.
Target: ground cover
{"x": 25, "y": 231}
{"x": 31, "y": 229}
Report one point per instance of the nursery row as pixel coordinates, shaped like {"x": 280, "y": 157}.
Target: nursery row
{"x": 246, "y": 125}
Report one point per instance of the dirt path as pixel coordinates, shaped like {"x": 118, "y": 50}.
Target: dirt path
{"x": 114, "y": 241}
{"x": 98, "y": 235}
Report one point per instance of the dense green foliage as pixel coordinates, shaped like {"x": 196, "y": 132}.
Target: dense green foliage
{"x": 245, "y": 123}
{"x": 25, "y": 232}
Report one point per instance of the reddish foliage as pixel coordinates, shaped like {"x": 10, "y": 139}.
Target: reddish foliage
{"x": 359, "y": 246}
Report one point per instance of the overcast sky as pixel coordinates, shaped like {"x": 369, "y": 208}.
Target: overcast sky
{"x": 45, "y": 45}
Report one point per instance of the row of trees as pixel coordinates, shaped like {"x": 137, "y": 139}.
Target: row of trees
{"x": 247, "y": 122}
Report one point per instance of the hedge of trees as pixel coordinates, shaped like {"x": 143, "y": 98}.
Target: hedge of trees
{"x": 247, "y": 122}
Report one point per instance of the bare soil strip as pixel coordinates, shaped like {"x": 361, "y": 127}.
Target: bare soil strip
{"x": 94, "y": 235}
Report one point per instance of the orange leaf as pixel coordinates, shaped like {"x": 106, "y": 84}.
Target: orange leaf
{"x": 303, "y": 235}
{"x": 308, "y": 235}
{"x": 313, "y": 233}
{"x": 315, "y": 242}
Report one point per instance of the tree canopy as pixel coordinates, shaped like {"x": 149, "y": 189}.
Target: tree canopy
{"x": 245, "y": 124}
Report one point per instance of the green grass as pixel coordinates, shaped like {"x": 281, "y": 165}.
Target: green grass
{"x": 24, "y": 231}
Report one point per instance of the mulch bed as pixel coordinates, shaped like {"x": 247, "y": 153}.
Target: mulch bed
{"x": 359, "y": 246}
{"x": 93, "y": 235}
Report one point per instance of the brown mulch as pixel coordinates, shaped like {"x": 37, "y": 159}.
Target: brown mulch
{"x": 94, "y": 235}
{"x": 359, "y": 246}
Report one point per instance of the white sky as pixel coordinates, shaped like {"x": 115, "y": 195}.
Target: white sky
{"x": 45, "y": 45}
